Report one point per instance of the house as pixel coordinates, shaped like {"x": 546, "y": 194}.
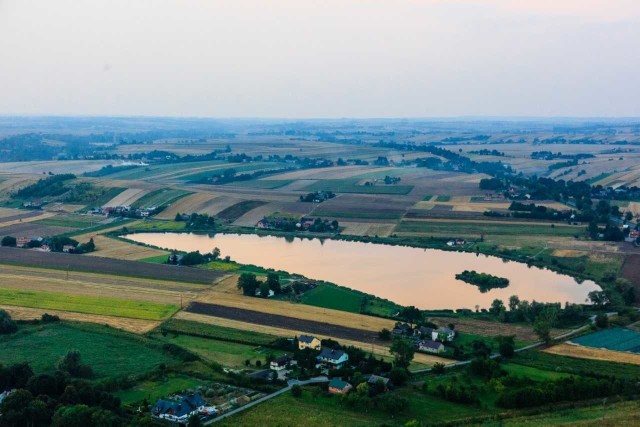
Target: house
{"x": 401, "y": 329}
{"x": 334, "y": 358}
{"x": 5, "y": 394}
{"x": 423, "y": 332}
{"x": 443, "y": 334}
{"x": 633, "y": 236}
{"x": 433, "y": 347}
{"x": 374, "y": 380}
{"x": 263, "y": 223}
{"x": 180, "y": 407}
{"x": 280, "y": 363}
{"x": 308, "y": 341}
{"x": 22, "y": 242}
{"x": 337, "y": 386}
{"x": 68, "y": 249}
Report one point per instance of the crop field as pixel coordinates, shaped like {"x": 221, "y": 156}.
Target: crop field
{"x": 471, "y": 229}
{"x": 43, "y": 167}
{"x": 618, "y": 339}
{"x": 366, "y": 229}
{"x": 137, "y": 326}
{"x": 353, "y": 186}
{"x": 96, "y": 285}
{"x": 582, "y": 352}
{"x": 25, "y": 228}
{"x": 42, "y": 346}
{"x": 70, "y": 221}
{"x": 333, "y": 297}
{"x": 237, "y": 210}
{"x": 552, "y": 360}
{"x": 631, "y": 271}
{"x": 118, "y": 249}
{"x": 160, "y": 197}
{"x": 107, "y": 266}
{"x": 209, "y": 203}
{"x": 126, "y": 198}
{"x": 261, "y": 184}
{"x": 88, "y": 305}
{"x": 214, "y": 332}
{"x": 492, "y": 329}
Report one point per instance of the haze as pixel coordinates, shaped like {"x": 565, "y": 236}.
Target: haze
{"x": 320, "y": 58}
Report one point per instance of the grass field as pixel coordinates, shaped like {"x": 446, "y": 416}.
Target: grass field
{"x": 70, "y": 221}
{"x": 109, "y": 352}
{"x": 157, "y": 388}
{"x": 221, "y": 266}
{"x": 333, "y": 297}
{"x": 262, "y": 183}
{"x": 571, "y": 365}
{"x": 86, "y": 304}
{"x": 216, "y": 332}
{"x": 228, "y": 354}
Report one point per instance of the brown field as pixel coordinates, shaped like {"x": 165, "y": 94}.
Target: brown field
{"x": 28, "y": 228}
{"x": 250, "y": 218}
{"x": 107, "y": 266}
{"x": 631, "y": 271}
{"x": 581, "y": 352}
{"x": 492, "y": 329}
{"x": 137, "y": 326}
{"x": 62, "y": 207}
{"x": 199, "y": 203}
{"x": 367, "y": 229}
{"x": 127, "y": 197}
{"x": 68, "y": 166}
{"x": 118, "y": 249}
{"x": 96, "y": 285}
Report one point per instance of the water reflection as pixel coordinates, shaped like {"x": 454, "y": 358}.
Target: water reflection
{"x": 409, "y": 276}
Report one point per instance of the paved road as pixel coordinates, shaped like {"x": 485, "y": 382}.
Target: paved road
{"x": 290, "y": 384}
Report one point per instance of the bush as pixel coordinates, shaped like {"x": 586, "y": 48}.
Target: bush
{"x": 49, "y": 318}
{"x": 602, "y": 321}
{"x": 7, "y": 325}
{"x": 9, "y": 241}
{"x": 72, "y": 365}
{"x": 296, "y": 390}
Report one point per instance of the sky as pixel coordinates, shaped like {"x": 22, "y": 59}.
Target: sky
{"x": 320, "y": 59}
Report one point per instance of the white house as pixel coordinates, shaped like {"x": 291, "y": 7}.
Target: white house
{"x": 334, "y": 358}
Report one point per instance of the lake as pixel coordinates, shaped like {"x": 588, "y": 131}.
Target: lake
{"x": 424, "y": 278}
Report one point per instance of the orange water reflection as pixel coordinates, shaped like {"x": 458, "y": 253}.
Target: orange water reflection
{"x": 408, "y": 276}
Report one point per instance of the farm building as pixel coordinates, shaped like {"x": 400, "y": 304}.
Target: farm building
{"x": 433, "y": 347}
{"x": 308, "y": 341}
{"x": 337, "y": 386}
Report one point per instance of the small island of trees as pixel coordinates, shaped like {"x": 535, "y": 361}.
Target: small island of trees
{"x": 485, "y": 282}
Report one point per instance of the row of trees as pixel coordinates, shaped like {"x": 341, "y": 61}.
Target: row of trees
{"x": 250, "y": 284}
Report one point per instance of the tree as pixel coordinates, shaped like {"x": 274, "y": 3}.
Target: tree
{"x": 273, "y": 280}
{"x": 264, "y": 289}
{"x": 411, "y": 314}
{"x": 398, "y": 376}
{"x": 215, "y": 253}
{"x": 514, "y": 301}
{"x": 602, "y": 321}
{"x": 72, "y": 364}
{"x": 402, "y": 351}
{"x": 195, "y": 421}
{"x": 542, "y": 328}
{"x": 384, "y": 334}
{"x": 9, "y": 241}
{"x": 7, "y": 325}
{"x": 248, "y": 283}
{"x": 438, "y": 368}
{"x": 363, "y": 389}
{"x": 496, "y": 307}
{"x": 506, "y": 345}
{"x": 296, "y": 390}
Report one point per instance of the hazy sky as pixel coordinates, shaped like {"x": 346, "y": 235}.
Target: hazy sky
{"x": 299, "y": 58}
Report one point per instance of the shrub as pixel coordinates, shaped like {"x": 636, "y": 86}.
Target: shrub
{"x": 7, "y": 325}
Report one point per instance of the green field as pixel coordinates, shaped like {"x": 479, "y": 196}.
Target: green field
{"x": 158, "y": 225}
{"x": 158, "y": 259}
{"x": 221, "y": 266}
{"x": 265, "y": 184}
{"x": 70, "y": 221}
{"x": 239, "y": 168}
{"x": 180, "y": 327}
{"x": 161, "y": 197}
{"x": 157, "y": 388}
{"x": 532, "y": 373}
{"x": 570, "y": 365}
{"x": 106, "y": 197}
{"x": 88, "y": 305}
{"x": 443, "y": 198}
{"x": 225, "y": 353}
{"x": 465, "y": 229}
{"x": 350, "y": 185}
{"x": 333, "y": 297}
{"x": 111, "y": 353}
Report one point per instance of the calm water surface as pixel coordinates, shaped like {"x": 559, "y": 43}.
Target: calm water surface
{"x": 409, "y": 276}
